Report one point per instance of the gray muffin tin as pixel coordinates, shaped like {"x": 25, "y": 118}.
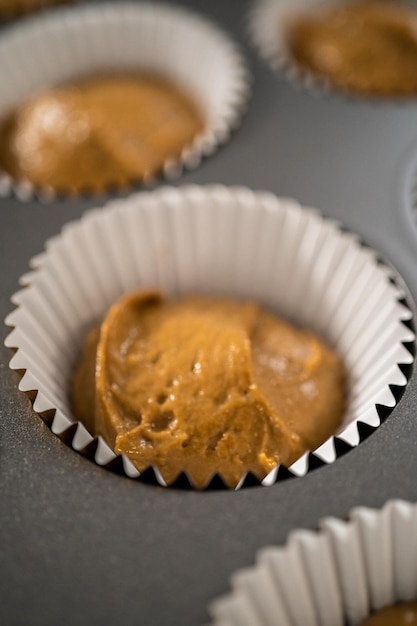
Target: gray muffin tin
{"x": 82, "y": 545}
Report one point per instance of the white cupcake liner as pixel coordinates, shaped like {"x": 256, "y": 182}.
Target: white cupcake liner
{"x": 365, "y": 564}
{"x": 220, "y": 240}
{"x": 268, "y": 20}
{"x": 409, "y": 193}
{"x": 66, "y": 44}
{"x": 267, "y": 28}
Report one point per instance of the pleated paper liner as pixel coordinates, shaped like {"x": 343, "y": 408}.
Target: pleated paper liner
{"x": 227, "y": 241}
{"x": 67, "y": 44}
{"x": 267, "y": 24}
{"x": 364, "y": 564}
{"x": 408, "y": 190}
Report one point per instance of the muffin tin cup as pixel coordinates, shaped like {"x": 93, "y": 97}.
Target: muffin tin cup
{"x": 68, "y": 44}
{"x": 224, "y": 241}
{"x": 364, "y": 564}
{"x": 267, "y": 25}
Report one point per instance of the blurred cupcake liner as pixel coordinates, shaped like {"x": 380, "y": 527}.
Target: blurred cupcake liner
{"x": 67, "y": 44}
{"x": 268, "y": 20}
{"x": 409, "y": 192}
{"x": 227, "y": 241}
{"x": 365, "y": 563}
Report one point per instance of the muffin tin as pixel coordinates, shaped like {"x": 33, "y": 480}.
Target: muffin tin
{"x": 87, "y": 546}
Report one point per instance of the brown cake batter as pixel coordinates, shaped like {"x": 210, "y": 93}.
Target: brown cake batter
{"x": 9, "y": 8}
{"x": 206, "y": 385}
{"x": 399, "y": 615}
{"x": 105, "y": 131}
{"x": 365, "y": 46}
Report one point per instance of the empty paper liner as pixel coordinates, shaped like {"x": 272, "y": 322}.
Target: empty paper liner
{"x": 334, "y": 577}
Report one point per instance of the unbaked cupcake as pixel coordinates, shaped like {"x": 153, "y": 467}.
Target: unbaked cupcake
{"x": 97, "y": 115}
{"x": 215, "y": 241}
{"x": 360, "y": 47}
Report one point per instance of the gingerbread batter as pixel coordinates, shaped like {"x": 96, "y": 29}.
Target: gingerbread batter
{"x": 104, "y": 131}
{"x": 11, "y": 8}
{"x": 206, "y": 385}
{"x": 365, "y": 46}
{"x": 399, "y": 615}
